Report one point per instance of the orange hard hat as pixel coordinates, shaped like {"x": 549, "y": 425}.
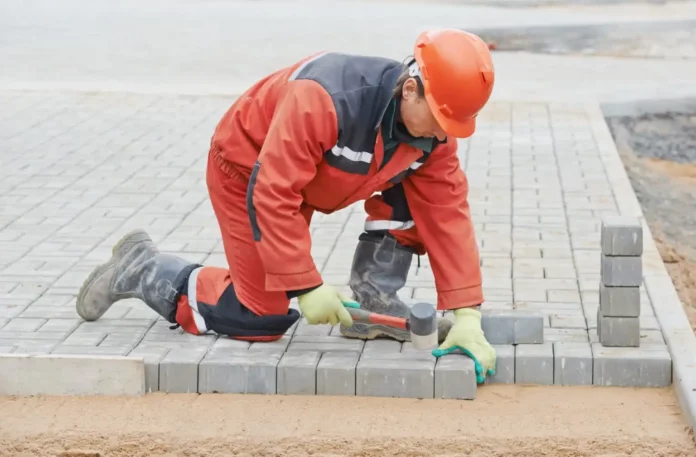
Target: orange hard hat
{"x": 457, "y": 73}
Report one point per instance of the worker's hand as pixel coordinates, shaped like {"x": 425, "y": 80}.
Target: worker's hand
{"x": 466, "y": 334}
{"x": 326, "y": 305}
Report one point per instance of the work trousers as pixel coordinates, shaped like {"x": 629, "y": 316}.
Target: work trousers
{"x": 233, "y": 301}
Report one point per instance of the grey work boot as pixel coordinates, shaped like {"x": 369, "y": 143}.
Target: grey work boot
{"x": 136, "y": 270}
{"x": 379, "y": 270}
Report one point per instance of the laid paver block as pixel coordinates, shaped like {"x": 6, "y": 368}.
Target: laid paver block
{"x": 512, "y": 326}
{"x": 618, "y": 331}
{"x": 243, "y": 372}
{"x": 534, "y": 364}
{"x": 621, "y": 236}
{"x": 58, "y": 375}
{"x": 576, "y": 321}
{"x": 336, "y": 373}
{"x": 91, "y": 350}
{"x": 455, "y": 377}
{"x": 297, "y": 373}
{"x": 505, "y": 365}
{"x": 303, "y": 328}
{"x": 566, "y": 335}
{"x": 280, "y": 344}
{"x": 381, "y": 346}
{"x": 179, "y": 370}
{"x": 405, "y": 377}
{"x": 20, "y": 324}
{"x": 572, "y": 363}
{"x": 229, "y": 343}
{"x": 348, "y": 345}
{"x": 152, "y": 358}
{"x": 619, "y": 301}
{"x": 621, "y": 271}
{"x": 649, "y": 365}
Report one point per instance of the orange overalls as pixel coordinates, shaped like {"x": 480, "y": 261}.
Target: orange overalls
{"x": 307, "y": 138}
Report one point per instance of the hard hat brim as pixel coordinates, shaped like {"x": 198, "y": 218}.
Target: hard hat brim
{"x": 458, "y": 129}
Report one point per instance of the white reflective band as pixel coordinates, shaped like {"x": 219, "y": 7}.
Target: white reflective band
{"x": 388, "y": 225}
{"x": 193, "y": 304}
{"x": 415, "y": 165}
{"x": 352, "y": 155}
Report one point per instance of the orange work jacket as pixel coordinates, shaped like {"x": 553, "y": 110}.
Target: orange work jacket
{"x": 308, "y": 139}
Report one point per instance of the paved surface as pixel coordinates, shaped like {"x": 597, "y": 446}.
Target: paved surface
{"x": 108, "y": 143}
{"x": 83, "y": 169}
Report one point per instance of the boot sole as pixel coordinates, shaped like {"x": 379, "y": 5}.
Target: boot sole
{"x": 136, "y": 236}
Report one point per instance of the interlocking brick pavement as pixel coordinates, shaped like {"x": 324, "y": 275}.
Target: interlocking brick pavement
{"x": 80, "y": 170}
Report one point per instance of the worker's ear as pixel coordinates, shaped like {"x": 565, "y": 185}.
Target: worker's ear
{"x": 410, "y": 90}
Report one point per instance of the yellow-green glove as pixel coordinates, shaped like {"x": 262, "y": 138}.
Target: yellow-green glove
{"x": 326, "y": 305}
{"x": 466, "y": 334}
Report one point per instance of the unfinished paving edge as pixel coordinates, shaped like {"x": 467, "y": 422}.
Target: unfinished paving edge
{"x": 680, "y": 339}
{"x": 65, "y": 375}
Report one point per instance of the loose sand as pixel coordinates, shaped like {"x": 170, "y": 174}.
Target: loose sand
{"x": 502, "y": 421}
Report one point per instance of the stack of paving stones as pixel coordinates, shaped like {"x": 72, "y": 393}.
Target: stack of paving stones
{"x": 618, "y": 315}
{"x": 625, "y": 353}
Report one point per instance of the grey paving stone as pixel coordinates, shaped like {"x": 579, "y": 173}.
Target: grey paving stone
{"x": 572, "y": 363}
{"x": 273, "y": 346}
{"x": 534, "y": 364}
{"x": 618, "y": 331}
{"x": 505, "y": 365}
{"x": 33, "y": 347}
{"x": 303, "y": 328}
{"x": 576, "y": 321}
{"x": 621, "y": 236}
{"x": 19, "y": 324}
{"x": 91, "y": 350}
{"x": 455, "y": 377}
{"x": 403, "y": 355}
{"x": 179, "y": 370}
{"x": 336, "y": 373}
{"x": 224, "y": 342}
{"x": 621, "y": 271}
{"x": 152, "y": 358}
{"x": 297, "y": 373}
{"x": 60, "y": 325}
{"x": 381, "y": 346}
{"x": 619, "y": 301}
{"x": 405, "y": 377}
{"x": 566, "y": 335}
{"x": 647, "y": 366}
{"x": 348, "y": 345}
{"x": 512, "y": 326}
{"x": 234, "y": 371}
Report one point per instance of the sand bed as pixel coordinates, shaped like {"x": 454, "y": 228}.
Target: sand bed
{"x": 503, "y": 421}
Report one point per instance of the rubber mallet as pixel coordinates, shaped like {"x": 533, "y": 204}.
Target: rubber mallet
{"x": 421, "y": 323}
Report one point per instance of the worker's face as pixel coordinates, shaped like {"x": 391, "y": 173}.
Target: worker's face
{"x": 416, "y": 114}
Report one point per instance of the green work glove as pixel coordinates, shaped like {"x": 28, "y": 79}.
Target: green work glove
{"x": 466, "y": 334}
{"x": 326, "y": 305}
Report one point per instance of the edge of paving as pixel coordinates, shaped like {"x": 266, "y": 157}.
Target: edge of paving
{"x": 674, "y": 324}
{"x": 54, "y": 374}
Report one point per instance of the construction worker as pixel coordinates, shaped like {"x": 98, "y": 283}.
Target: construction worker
{"x": 319, "y": 135}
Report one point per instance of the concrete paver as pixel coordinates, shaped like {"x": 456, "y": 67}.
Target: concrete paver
{"x": 83, "y": 169}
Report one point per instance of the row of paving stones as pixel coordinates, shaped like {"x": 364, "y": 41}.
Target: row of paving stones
{"x": 107, "y": 164}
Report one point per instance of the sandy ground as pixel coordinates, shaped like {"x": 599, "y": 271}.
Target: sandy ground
{"x": 660, "y": 159}
{"x": 505, "y": 420}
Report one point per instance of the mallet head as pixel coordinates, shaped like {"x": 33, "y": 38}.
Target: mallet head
{"x": 423, "y": 326}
